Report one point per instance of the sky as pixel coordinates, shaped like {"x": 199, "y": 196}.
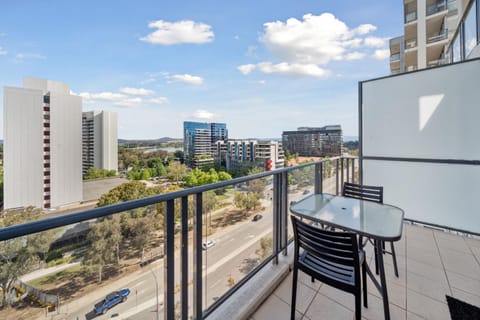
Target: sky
{"x": 261, "y": 67}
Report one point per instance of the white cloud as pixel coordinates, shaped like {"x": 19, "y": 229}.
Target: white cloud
{"x": 22, "y": 56}
{"x": 375, "y": 42}
{"x": 314, "y": 40}
{"x": 203, "y": 114}
{"x": 295, "y": 69}
{"x": 354, "y": 56}
{"x": 246, "y": 68}
{"x": 2, "y": 51}
{"x": 251, "y": 52}
{"x": 185, "y": 31}
{"x": 108, "y": 96}
{"x": 136, "y": 91}
{"x": 381, "y": 54}
{"x": 130, "y": 103}
{"x": 188, "y": 78}
{"x": 159, "y": 100}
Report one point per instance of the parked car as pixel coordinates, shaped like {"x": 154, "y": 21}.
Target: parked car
{"x": 208, "y": 244}
{"x": 111, "y": 300}
{"x": 306, "y": 191}
{"x": 257, "y": 217}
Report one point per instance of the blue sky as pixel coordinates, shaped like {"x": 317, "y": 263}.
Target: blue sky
{"x": 262, "y": 67}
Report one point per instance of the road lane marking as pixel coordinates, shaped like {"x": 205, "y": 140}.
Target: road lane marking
{"x": 142, "y": 306}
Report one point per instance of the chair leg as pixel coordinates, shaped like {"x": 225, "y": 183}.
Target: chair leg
{"x": 376, "y": 256}
{"x": 364, "y": 285}
{"x": 294, "y": 293}
{"x": 358, "y": 306}
{"x": 313, "y": 279}
{"x": 394, "y": 256}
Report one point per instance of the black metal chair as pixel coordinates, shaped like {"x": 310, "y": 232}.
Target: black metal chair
{"x": 375, "y": 194}
{"x": 331, "y": 257}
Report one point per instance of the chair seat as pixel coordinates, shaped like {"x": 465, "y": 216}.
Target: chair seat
{"x": 327, "y": 269}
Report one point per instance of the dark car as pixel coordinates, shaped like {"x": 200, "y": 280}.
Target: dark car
{"x": 257, "y": 217}
{"x": 306, "y": 191}
{"x": 111, "y": 300}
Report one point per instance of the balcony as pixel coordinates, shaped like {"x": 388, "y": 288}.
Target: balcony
{"x": 411, "y": 43}
{"x": 395, "y": 57}
{"x": 437, "y": 36}
{"x": 436, "y": 7}
{"x": 244, "y": 273}
{"x": 410, "y": 17}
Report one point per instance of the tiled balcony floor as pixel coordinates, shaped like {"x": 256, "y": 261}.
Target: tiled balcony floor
{"x": 431, "y": 264}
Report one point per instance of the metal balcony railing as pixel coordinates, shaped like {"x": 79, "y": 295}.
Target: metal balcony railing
{"x": 410, "y": 43}
{"x": 410, "y": 16}
{"x": 181, "y": 215}
{"x": 437, "y": 36}
{"x": 395, "y": 57}
{"x": 436, "y": 7}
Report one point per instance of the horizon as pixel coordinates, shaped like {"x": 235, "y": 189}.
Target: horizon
{"x": 279, "y": 64}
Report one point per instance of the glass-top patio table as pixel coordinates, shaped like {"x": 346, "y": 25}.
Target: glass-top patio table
{"x": 380, "y": 222}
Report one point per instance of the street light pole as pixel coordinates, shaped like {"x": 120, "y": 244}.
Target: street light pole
{"x": 156, "y": 288}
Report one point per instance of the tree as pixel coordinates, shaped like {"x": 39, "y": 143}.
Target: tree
{"x": 246, "y": 201}
{"x": 17, "y": 256}
{"x": 95, "y": 173}
{"x": 257, "y": 185}
{"x": 176, "y": 171}
{"x": 266, "y": 247}
{"x": 105, "y": 237}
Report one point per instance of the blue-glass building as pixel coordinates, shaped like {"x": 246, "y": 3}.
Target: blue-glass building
{"x": 199, "y": 140}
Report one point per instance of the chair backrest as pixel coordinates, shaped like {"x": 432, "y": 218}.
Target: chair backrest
{"x": 330, "y": 254}
{"x": 370, "y": 193}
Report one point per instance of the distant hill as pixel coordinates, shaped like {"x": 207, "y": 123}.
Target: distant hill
{"x": 350, "y": 138}
{"x": 159, "y": 140}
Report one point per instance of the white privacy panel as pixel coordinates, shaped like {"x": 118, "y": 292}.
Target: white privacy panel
{"x": 432, "y": 114}
{"x": 442, "y": 194}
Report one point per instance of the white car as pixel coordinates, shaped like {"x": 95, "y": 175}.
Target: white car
{"x": 208, "y": 244}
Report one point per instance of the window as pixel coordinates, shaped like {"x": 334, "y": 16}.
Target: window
{"x": 456, "y": 53}
{"x": 470, "y": 29}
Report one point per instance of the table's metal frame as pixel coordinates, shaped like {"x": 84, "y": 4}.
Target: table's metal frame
{"x": 382, "y": 286}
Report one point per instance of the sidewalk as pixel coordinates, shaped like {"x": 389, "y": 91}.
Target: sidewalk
{"x": 46, "y": 271}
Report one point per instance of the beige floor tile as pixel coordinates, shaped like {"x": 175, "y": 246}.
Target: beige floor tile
{"x": 428, "y": 255}
{"x": 396, "y": 292}
{"x": 274, "y": 308}
{"x": 323, "y": 308}
{"x": 453, "y": 243}
{"x": 415, "y": 232}
{"x": 464, "y": 283}
{"x": 461, "y": 263}
{"x": 473, "y": 242}
{"x": 375, "y": 310}
{"x": 307, "y": 280}
{"x": 427, "y": 287}
{"x": 434, "y": 273}
{"x": 413, "y": 316}
{"x": 344, "y": 298}
{"x": 426, "y": 307}
{"x": 305, "y": 294}
{"x": 466, "y": 297}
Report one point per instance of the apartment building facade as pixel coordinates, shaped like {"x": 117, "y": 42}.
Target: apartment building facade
{"x": 435, "y": 33}
{"x": 99, "y": 140}
{"x": 199, "y": 142}
{"x": 314, "y": 142}
{"x": 237, "y": 154}
{"x": 42, "y": 145}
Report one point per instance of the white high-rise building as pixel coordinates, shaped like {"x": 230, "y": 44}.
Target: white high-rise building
{"x": 100, "y": 140}
{"x": 42, "y": 145}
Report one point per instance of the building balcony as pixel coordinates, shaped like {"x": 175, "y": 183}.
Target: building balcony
{"x": 410, "y": 17}
{"x": 436, "y": 7}
{"x": 411, "y": 43}
{"x": 437, "y": 36}
{"x": 395, "y": 57}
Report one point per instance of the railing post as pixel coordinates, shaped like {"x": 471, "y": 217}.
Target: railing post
{"x": 184, "y": 258}
{"x": 197, "y": 259}
{"x": 284, "y": 213}
{"x": 169, "y": 262}
{"x": 277, "y": 185}
{"x": 353, "y": 170}
{"x": 341, "y": 171}
{"x": 348, "y": 170}
{"x": 336, "y": 178}
{"x": 319, "y": 178}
